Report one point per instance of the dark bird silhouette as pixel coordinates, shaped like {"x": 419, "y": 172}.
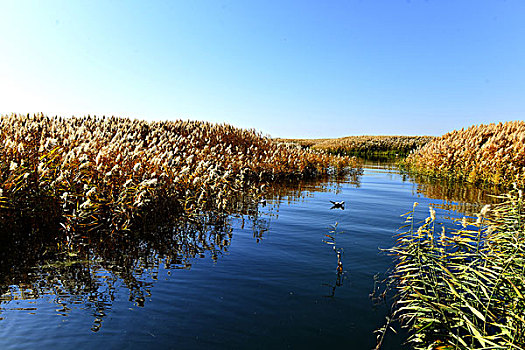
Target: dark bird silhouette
{"x": 336, "y": 205}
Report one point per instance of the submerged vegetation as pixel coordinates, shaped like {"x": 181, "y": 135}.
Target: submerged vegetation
{"x": 493, "y": 153}
{"x": 91, "y": 173}
{"x": 366, "y": 146}
{"x": 463, "y": 289}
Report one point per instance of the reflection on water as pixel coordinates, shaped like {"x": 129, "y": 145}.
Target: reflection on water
{"x": 86, "y": 271}
{"x": 297, "y": 191}
{"x": 460, "y": 197}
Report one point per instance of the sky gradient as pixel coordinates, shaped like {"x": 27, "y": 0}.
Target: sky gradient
{"x": 287, "y": 68}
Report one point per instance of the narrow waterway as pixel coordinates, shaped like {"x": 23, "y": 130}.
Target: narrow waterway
{"x": 263, "y": 281}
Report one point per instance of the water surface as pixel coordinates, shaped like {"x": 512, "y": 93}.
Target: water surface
{"x": 259, "y": 281}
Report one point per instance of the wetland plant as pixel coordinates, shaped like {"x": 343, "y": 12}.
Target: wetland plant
{"x": 493, "y": 153}
{"x": 365, "y": 146}
{"x": 86, "y": 174}
{"x": 331, "y": 239}
{"x": 463, "y": 289}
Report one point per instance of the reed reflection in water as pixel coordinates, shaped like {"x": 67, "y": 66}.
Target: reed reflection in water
{"x": 85, "y": 272}
{"x": 460, "y": 197}
{"x": 149, "y": 274}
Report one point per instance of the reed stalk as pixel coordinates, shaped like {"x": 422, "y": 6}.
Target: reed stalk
{"x": 463, "y": 289}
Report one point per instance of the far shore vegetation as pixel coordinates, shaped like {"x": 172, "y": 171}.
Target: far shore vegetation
{"x": 365, "y": 146}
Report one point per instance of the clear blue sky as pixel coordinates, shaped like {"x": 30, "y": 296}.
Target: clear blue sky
{"x": 287, "y": 68}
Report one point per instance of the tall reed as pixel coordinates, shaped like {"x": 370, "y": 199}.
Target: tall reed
{"x": 91, "y": 173}
{"x": 463, "y": 289}
{"x": 493, "y": 153}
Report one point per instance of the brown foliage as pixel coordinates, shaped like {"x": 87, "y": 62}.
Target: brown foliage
{"x": 88, "y": 172}
{"x": 363, "y": 145}
{"x": 493, "y": 153}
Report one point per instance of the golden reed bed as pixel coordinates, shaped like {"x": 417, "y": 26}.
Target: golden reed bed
{"x": 493, "y": 153}
{"x": 365, "y": 145}
{"x": 103, "y": 172}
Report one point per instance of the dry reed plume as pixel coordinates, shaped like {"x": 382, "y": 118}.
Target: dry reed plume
{"x": 105, "y": 172}
{"x": 365, "y": 145}
{"x": 493, "y": 153}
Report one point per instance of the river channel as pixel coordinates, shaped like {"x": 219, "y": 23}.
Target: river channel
{"x": 267, "y": 280}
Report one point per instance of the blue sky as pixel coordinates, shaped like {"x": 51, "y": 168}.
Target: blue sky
{"x": 286, "y": 68}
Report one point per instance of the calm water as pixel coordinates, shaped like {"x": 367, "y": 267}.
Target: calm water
{"x": 263, "y": 281}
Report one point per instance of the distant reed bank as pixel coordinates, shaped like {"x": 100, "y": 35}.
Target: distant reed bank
{"x": 493, "y": 153}
{"x": 364, "y": 146}
{"x": 93, "y": 173}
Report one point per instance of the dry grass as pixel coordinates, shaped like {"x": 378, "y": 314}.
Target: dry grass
{"x": 365, "y": 145}
{"x": 493, "y": 153}
{"x": 105, "y": 172}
